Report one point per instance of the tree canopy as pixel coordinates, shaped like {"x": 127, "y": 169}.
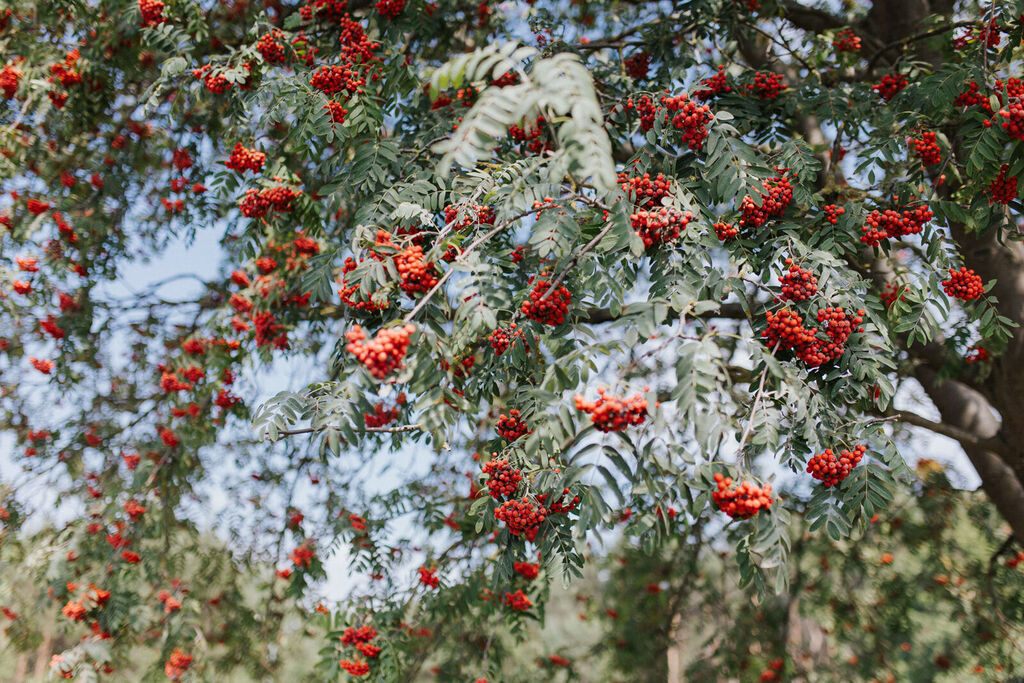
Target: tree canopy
{"x": 668, "y": 284}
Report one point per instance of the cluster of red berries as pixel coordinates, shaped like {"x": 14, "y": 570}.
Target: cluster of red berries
{"x": 743, "y": 501}
{"x": 330, "y": 11}
{"x": 417, "y": 275}
{"x": 889, "y": 86}
{"x": 549, "y": 309}
{"x": 637, "y": 65}
{"x": 767, "y": 86}
{"x": 521, "y": 516}
{"x": 562, "y": 506}
{"x": 502, "y": 338}
{"x": 360, "y": 639}
{"x": 476, "y": 215}
{"x": 977, "y": 354}
{"x": 785, "y": 329}
{"x": 644, "y": 191}
{"x": 530, "y": 135}
{"x": 518, "y": 601}
{"x": 528, "y": 570}
{"x": 776, "y": 195}
{"x": 846, "y": 41}
{"x": 1003, "y": 189}
{"x": 989, "y": 35}
{"x": 881, "y": 225}
{"x": 726, "y": 231}
{"x": 963, "y": 284}
{"x": 510, "y": 427}
{"x": 217, "y": 82}
{"x": 972, "y": 96}
{"x": 927, "y": 148}
{"x": 384, "y": 353}
{"x": 333, "y": 78}
{"x": 270, "y": 45}
{"x": 890, "y": 292}
{"x": 258, "y": 203}
{"x": 382, "y": 416}
{"x": 347, "y": 291}
{"x": 799, "y": 283}
{"x": 502, "y": 479}
{"x": 9, "y": 79}
{"x": 390, "y": 9}
{"x": 243, "y": 159}
{"x": 690, "y": 117}
{"x": 1014, "y": 115}
{"x": 177, "y": 665}
{"x": 152, "y": 12}
{"x": 613, "y": 414}
{"x": 713, "y": 86}
{"x": 830, "y": 470}
{"x": 659, "y": 226}
{"x": 833, "y": 212}
{"x": 464, "y": 96}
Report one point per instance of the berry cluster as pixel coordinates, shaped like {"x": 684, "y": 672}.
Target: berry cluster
{"x": 502, "y": 479}
{"x": 354, "y": 667}
{"x": 1014, "y": 115}
{"x": 613, "y": 414}
{"x": 977, "y": 354}
{"x": 177, "y": 665}
{"x": 846, "y": 41}
{"x": 890, "y": 292}
{"x": 963, "y": 284}
{"x": 927, "y": 148}
{"x": 518, "y": 601}
{"x": 660, "y": 226}
{"x": 510, "y": 427}
{"x": 690, "y": 117}
{"x": 521, "y": 516}
{"x": 637, "y": 65}
{"x": 644, "y": 191}
{"x": 785, "y": 329}
{"x": 390, "y": 9}
{"x": 743, "y": 501}
{"x": 560, "y": 506}
{"x": 726, "y": 231}
{"x": 550, "y": 309}
{"x": 271, "y": 47}
{"x": 531, "y": 135}
{"x": 384, "y": 353}
{"x": 417, "y": 275}
{"x": 799, "y": 283}
{"x": 382, "y": 416}
{"x": 333, "y": 78}
{"x": 1003, "y": 189}
{"x": 347, "y": 291}
{"x": 258, "y": 203}
{"x": 833, "y": 212}
{"x": 889, "y": 86}
{"x": 713, "y": 86}
{"x": 359, "y": 638}
{"x": 776, "y": 196}
{"x": 830, "y": 470}
{"x": 972, "y": 96}
{"x": 243, "y": 159}
{"x": 428, "y": 577}
{"x": 767, "y": 86}
{"x": 528, "y": 570}
{"x": 9, "y": 79}
{"x": 152, "y": 12}
{"x": 881, "y": 225}
{"x": 503, "y": 338}
{"x": 478, "y": 214}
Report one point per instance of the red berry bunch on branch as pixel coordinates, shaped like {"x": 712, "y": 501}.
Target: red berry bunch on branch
{"x": 152, "y": 12}
{"x": 243, "y": 159}
{"x": 521, "y": 516}
{"x": 776, "y": 196}
{"x": 881, "y": 225}
{"x": 547, "y": 309}
{"x": 890, "y": 292}
{"x": 767, "y": 85}
{"x": 428, "y": 577}
{"x": 799, "y": 283}
{"x": 689, "y": 117}
{"x": 1013, "y": 114}
{"x": 518, "y": 601}
{"x": 637, "y": 65}
{"x": 660, "y": 226}
{"x": 347, "y": 291}
{"x": 889, "y": 86}
{"x": 726, "y": 231}
{"x": 1003, "y": 189}
{"x": 613, "y": 414}
{"x": 510, "y": 427}
{"x": 713, "y": 86}
{"x": 384, "y": 353}
{"x": 502, "y": 479}
{"x": 927, "y": 148}
{"x": 785, "y": 329}
{"x": 477, "y": 214}
{"x": 359, "y": 638}
{"x": 417, "y": 275}
{"x": 977, "y": 354}
{"x": 390, "y": 9}
{"x": 502, "y": 338}
{"x": 846, "y": 41}
{"x": 830, "y": 470}
{"x": 258, "y": 203}
{"x": 963, "y": 284}
{"x": 531, "y": 135}
{"x": 333, "y": 78}
{"x": 564, "y": 505}
{"x": 644, "y": 191}
{"x": 742, "y": 501}
{"x": 833, "y": 212}
{"x": 528, "y": 570}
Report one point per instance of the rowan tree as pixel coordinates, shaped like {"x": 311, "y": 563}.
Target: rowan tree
{"x": 687, "y": 247}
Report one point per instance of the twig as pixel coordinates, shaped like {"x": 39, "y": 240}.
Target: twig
{"x": 372, "y": 430}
